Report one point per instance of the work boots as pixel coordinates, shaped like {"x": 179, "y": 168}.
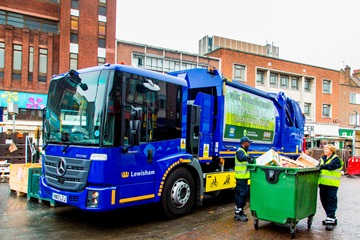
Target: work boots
{"x": 330, "y": 223}
{"x": 240, "y": 215}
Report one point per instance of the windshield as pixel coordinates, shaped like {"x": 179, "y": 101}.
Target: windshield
{"x": 74, "y": 108}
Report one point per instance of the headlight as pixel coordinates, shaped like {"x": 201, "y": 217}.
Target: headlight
{"x": 93, "y": 199}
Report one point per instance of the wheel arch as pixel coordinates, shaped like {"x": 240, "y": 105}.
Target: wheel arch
{"x": 194, "y": 169}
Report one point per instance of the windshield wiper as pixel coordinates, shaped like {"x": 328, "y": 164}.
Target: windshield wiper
{"x": 65, "y": 148}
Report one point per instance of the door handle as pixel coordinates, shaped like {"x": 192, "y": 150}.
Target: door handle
{"x": 150, "y": 156}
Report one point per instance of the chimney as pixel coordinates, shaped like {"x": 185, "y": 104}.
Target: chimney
{"x": 356, "y": 73}
{"x": 347, "y": 72}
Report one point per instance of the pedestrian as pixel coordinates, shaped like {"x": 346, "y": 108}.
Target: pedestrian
{"x": 242, "y": 176}
{"x": 329, "y": 182}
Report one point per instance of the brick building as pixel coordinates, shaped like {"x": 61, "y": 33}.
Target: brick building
{"x": 42, "y": 38}
{"x": 349, "y": 112}
{"x": 326, "y": 96}
{"x": 161, "y": 59}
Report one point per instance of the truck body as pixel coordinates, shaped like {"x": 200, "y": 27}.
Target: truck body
{"x": 117, "y": 136}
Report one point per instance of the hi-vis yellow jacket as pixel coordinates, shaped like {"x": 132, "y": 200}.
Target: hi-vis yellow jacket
{"x": 330, "y": 177}
{"x": 240, "y": 167}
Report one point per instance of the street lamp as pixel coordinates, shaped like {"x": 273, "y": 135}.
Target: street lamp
{"x": 13, "y": 110}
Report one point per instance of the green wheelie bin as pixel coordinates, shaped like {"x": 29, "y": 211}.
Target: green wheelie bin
{"x": 283, "y": 195}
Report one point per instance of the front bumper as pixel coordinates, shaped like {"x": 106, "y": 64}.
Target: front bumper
{"x": 106, "y": 197}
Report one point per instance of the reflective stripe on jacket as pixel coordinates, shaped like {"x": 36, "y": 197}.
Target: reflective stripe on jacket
{"x": 240, "y": 167}
{"x": 330, "y": 177}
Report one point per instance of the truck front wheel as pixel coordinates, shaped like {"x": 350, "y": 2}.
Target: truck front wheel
{"x": 178, "y": 193}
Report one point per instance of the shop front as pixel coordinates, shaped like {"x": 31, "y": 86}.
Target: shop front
{"x": 317, "y": 135}
{"x": 29, "y": 108}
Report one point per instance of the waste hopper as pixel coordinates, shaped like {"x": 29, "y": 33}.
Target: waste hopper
{"x": 283, "y": 195}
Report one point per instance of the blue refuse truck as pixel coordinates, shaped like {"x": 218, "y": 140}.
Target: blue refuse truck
{"x": 117, "y": 136}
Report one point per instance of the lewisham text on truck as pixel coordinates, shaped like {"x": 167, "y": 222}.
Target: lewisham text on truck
{"x": 118, "y": 136}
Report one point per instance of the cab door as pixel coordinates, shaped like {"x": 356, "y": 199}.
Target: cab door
{"x": 138, "y": 165}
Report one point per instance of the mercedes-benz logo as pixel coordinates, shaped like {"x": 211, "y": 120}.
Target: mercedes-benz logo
{"x": 61, "y": 167}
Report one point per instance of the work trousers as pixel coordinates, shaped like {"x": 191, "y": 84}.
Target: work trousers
{"x": 241, "y": 192}
{"x": 328, "y": 198}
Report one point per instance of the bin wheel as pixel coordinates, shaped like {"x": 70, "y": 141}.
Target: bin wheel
{"x": 309, "y": 222}
{"x": 256, "y": 224}
{"x": 292, "y": 231}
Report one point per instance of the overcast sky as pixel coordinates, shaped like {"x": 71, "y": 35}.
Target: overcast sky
{"x": 324, "y": 33}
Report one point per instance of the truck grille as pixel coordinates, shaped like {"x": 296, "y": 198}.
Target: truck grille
{"x": 75, "y": 176}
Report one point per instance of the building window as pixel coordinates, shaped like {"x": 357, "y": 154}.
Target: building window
{"x": 43, "y": 59}
{"x": 102, "y": 29}
{"x": 171, "y": 65}
{"x": 284, "y": 81}
{"x": 75, "y": 4}
{"x": 2, "y": 18}
{"x": 73, "y": 61}
{"x": 203, "y": 66}
{"x": 188, "y": 65}
{"x": 31, "y": 63}
{"x": 103, "y": 1}
{"x": 239, "y": 73}
{"x": 326, "y": 86}
{"x": 74, "y": 23}
{"x": 260, "y": 75}
{"x": 16, "y": 20}
{"x": 326, "y": 110}
{"x": 2, "y": 59}
{"x": 102, "y": 43}
{"x": 307, "y": 109}
{"x": 101, "y": 61}
{"x": 355, "y": 98}
{"x": 30, "y": 22}
{"x": 102, "y": 10}
{"x": 352, "y": 120}
{"x": 17, "y": 61}
{"x": 273, "y": 80}
{"x": 154, "y": 63}
{"x": 294, "y": 83}
{"x": 138, "y": 60}
{"x": 74, "y": 38}
{"x": 307, "y": 85}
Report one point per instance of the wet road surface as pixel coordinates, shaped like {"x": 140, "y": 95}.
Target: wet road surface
{"x": 23, "y": 219}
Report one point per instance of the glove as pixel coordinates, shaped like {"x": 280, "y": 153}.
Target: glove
{"x": 250, "y": 160}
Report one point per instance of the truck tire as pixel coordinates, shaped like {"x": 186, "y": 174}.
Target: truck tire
{"x": 178, "y": 193}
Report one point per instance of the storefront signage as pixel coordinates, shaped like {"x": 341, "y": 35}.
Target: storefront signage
{"x": 316, "y": 129}
{"x": 23, "y": 100}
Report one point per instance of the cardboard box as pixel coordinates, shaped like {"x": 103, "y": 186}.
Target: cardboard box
{"x": 270, "y": 158}
{"x": 303, "y": 161}
{"x": 287, "y": 162}
{"x": 307, "y": 160}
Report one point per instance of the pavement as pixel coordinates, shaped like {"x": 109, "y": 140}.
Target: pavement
{"x": 23, "y": 219}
